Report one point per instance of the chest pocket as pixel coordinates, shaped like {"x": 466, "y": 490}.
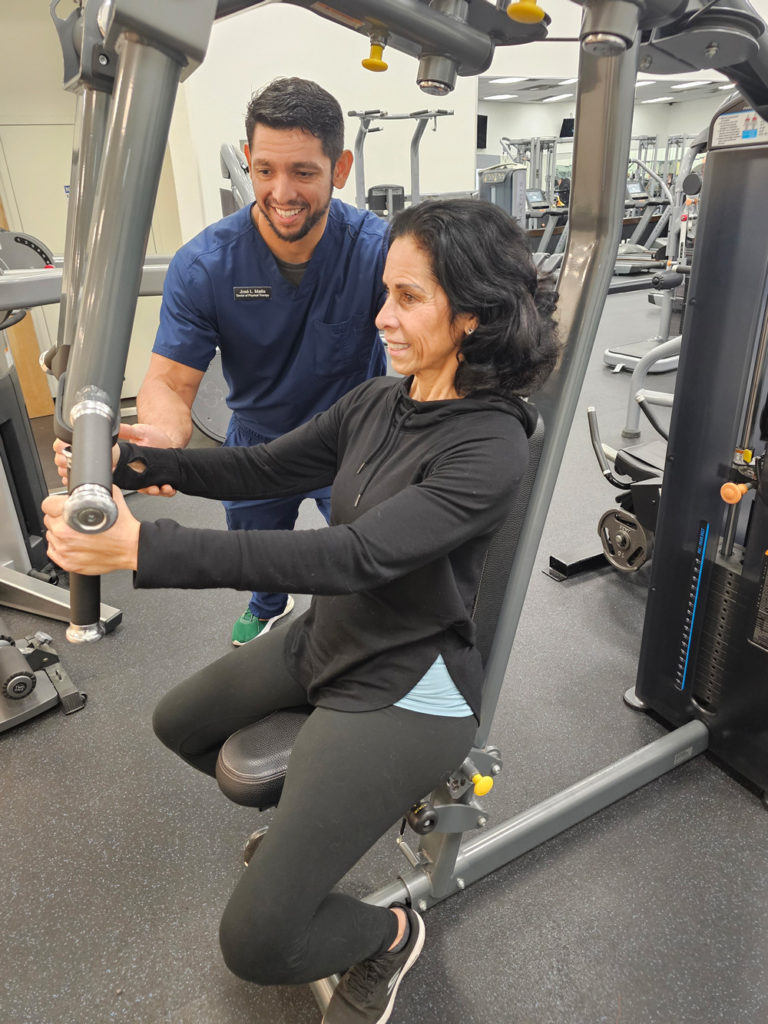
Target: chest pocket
{"x": 343, "y": 349}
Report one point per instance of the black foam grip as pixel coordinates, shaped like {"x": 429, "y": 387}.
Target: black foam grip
{"x": 84, "y": 599}
{"x": 91, "y": 452}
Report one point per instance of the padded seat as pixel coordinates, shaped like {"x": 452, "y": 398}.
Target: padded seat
{"x": 644, "y": 461}
{"x": 251, "y": 766}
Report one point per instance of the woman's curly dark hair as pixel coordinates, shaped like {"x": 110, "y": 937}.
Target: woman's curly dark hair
{"x": 480, "y": 257}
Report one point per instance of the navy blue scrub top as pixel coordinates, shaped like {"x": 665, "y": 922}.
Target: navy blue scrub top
{"x": 287, "y": 352}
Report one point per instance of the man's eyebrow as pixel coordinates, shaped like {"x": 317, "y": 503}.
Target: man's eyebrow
{"x": 299, "y": 165}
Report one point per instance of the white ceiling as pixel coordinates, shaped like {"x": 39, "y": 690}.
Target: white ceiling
{"x": 534, "y": 90}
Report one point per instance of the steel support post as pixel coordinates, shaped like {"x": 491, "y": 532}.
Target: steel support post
{"x": 362, "y": 131}
{"x": 90, "y": 133}
{"x": 153, "y": 48}
{"x": 415, "y": 175}
{"x": 604, "y": 105}
{"x": 142, "y": 104}
{"x": 144, "y": 94}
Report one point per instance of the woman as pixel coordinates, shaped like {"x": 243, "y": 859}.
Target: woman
{"x": 423, "y": 471}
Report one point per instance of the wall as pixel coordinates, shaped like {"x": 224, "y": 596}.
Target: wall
{"x": 540, "y": 120}
{"x": 249, "y": 49}
{"x": 523, "y": 120}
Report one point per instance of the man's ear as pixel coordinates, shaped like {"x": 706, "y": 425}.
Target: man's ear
{"x": 342, "y": 169}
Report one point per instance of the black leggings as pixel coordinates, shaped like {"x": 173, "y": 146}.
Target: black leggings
{"x": 351, "y": 776}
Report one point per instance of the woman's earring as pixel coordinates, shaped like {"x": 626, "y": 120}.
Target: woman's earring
{"x": 470, "y": 330}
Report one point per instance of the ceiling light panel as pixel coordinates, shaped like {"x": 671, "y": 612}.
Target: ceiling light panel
{"x": 688, "y": 85}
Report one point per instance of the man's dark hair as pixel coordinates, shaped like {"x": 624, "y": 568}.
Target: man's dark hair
{"x": 481, "y": 259}
{"x": 298, "y": 103}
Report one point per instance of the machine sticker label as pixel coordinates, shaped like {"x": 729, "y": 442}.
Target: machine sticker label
{"x": 692, "y": 605}
{"x": 743, "y": 128}
{"x": 760, "y": 633}
{"x": 340, "y": 16}
{"x": 253, "y": 291}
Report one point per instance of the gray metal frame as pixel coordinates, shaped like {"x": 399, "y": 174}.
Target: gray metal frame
{"x": 26, "y": 289}
{"x": 234, "y": 167}
{"x": 447, "y": 863}
{"x": 151, "y": 57}
{"x": 640, "y": 230}
{"x": 367, "y": 117}
{"x": 664, "y": 354}
{"x": 665, "y": 351}
{"x": 541, "y": 162}
{"x": 643, "y": 151}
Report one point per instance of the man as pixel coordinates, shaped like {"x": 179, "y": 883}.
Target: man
{"x": 287, "y": 289}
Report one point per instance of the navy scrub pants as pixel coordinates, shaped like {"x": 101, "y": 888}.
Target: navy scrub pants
{"x": 269, "y": 514}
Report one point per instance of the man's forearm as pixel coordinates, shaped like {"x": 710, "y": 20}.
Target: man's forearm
{"x": 159, "y": 405}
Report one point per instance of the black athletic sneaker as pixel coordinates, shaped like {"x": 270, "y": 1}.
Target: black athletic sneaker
{"x": 366, "y": 993}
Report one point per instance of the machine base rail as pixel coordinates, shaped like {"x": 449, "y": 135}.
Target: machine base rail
{"x": 492, "y": 849}
{"x": 27, "y": 594}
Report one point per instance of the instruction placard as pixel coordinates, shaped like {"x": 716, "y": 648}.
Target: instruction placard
{"x": 743, "y": 128}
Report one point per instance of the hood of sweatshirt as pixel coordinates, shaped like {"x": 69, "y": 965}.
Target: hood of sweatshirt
{"x": 405, "y": 413}
{"x": 429, "y": 413}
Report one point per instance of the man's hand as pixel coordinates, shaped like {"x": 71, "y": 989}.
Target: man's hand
{"x": 91, "y": 554}
{"x": 149, "y": 437}
{"x": 145, "y": 434}
{"x": 61, "y": 458}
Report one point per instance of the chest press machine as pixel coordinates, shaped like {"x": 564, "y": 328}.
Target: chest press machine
{"x": 152, "y": 51}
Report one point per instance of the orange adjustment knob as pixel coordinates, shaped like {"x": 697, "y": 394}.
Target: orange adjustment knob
{"x": 374, "y": 62}
{"x": 527, "y": 12}
{"x": 733, "y": 493}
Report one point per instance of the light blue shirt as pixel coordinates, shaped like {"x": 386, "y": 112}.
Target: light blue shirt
{"x": 436, "y": 694}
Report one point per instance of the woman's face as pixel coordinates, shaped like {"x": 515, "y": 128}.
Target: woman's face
{"x": 416, "y": 316}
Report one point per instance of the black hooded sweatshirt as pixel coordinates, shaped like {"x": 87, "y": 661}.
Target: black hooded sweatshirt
{"x": 418, "y": 490}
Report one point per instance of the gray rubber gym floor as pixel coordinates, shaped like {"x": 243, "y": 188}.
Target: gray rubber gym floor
{"x": 117, "y": 860}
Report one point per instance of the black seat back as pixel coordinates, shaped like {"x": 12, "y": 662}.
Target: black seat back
{"x": 501, "y": 551}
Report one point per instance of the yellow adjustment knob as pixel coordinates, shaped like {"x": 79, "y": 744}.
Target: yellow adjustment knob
{"x": 374, "y": 62}
{"x": 483, "y": 784}
{"x": 527, "y": 12}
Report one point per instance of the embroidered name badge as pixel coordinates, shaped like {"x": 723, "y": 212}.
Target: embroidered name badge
{"x": 253, "y": 291}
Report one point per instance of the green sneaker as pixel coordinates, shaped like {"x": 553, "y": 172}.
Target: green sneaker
{"x": 248, "y": 627}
